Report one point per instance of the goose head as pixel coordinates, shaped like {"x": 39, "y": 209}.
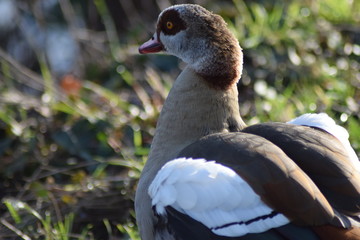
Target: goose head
{"x": 201, "y": 39}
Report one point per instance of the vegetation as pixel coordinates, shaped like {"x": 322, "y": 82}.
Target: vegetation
{"x": 78, "y": 104}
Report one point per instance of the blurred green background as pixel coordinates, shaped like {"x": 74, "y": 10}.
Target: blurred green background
{"x": 78, "y": 104}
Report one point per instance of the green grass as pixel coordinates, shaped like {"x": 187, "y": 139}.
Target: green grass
{"x": 70, "y": 160}
{"x": 47, "y": 229}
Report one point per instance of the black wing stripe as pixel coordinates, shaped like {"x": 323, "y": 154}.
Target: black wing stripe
{"x": 263, "y": 217}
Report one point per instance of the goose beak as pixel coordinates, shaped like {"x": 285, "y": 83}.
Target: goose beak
{"x": 151, "y": 46}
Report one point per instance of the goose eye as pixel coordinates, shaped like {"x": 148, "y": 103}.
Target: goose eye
{"x": 169, "y": 25}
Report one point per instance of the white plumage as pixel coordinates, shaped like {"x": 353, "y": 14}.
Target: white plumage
{"x": 213, "y": 195}
{"x": 326, "y": 123}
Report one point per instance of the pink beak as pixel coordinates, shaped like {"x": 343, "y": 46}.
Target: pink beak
{"x": 151, "y": 46}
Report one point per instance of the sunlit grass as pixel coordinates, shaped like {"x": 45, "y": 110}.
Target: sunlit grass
{"x": 47, "y": 228}
{"x": 74, "y": 142}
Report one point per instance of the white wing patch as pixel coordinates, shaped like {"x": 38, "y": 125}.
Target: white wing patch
{"x": 213, "y": 195}
{"x": 326, "y": 123}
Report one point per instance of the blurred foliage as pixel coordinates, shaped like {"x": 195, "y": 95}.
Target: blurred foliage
{"x": 78, "y": 105}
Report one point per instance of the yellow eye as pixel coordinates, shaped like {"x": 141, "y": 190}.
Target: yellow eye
{"x": 169, "y": 25}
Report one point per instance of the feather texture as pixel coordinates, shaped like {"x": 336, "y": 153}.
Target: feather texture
{"x": 214, "y": 195}
{"x": 322, "y": 157}
{"x": 262, "y": 173}
{"x": 326, "y": 123}
{"x": 185, "y": 228}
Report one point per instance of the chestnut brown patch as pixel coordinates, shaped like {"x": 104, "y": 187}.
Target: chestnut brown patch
{"x": 170, "y": 23}
{"x": 222, "y": 81}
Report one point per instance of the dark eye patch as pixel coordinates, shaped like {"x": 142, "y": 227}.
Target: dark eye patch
{"x": 173, "y": 17}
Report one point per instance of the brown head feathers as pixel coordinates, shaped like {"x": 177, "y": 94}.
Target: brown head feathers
{"x": 202, "y": 40}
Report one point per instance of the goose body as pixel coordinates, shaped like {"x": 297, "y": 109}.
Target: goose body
{"x": 209, "y": 176}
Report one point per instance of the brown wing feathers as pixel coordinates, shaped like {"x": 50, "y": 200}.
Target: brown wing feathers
{"x": 322, "y": 157}
{"x": 282, "y": 184}
{"x": 329, "y": 232}
{"x": 272, "y": 175}
{"x": 299, "y": 171}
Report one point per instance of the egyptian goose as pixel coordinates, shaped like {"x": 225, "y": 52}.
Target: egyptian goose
{"x": 208, "y": 176}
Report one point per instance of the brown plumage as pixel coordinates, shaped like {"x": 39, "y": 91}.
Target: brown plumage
{"x": 329, "y": 232}
{"x": 322, "y": 157}
{"x": 303, "y": 173}
{"x": 272, "y": 175}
